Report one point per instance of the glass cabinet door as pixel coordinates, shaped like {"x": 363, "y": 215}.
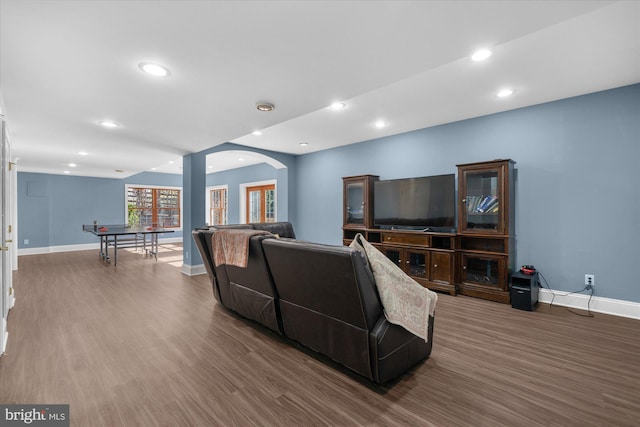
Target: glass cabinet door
{"x": 482, "y": 199}
{"x": 357, "y": 205}
{"x": 414, "y": 263}
{"x": 395, "y": 255}
{"x": 484, "y": 270}
{"x": 417, "y": 264}
{"x": 355, "y": 202}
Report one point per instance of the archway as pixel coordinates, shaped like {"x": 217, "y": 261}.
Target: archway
{"x": 228, "y": 176}
{"x": 194, "y": 179}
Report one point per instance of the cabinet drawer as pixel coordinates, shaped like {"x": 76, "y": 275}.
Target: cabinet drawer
{"x": 407, "y": 239}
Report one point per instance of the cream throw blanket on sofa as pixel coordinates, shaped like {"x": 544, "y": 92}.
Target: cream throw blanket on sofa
{"x": 405, "y": 301}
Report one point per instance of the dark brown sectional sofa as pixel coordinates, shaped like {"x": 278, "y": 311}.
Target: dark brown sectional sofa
{"x": 321, "y": 296}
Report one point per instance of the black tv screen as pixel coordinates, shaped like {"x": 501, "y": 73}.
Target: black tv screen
{"x": 416, "y": 203}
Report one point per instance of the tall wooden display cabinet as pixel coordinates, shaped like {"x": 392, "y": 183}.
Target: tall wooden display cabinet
{"x": 486, "y": 229}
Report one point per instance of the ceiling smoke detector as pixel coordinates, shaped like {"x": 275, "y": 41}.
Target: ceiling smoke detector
{"x": 265, "y": 106}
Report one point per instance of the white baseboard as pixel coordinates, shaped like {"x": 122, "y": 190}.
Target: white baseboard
{"x": 597, "y": 304}
{"x": 193, "y": 270}
{"x": 82, "y": 247}
{"x": 54, "y": 249}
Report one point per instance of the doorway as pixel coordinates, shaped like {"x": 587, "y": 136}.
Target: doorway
{"x": 260, "y": 203}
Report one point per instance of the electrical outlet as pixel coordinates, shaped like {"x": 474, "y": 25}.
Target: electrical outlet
{"x": 589, "y": 280}
{"x": 26, "y": 241}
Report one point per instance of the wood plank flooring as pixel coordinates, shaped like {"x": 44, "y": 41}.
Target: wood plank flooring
{"x": 145, "y": 345}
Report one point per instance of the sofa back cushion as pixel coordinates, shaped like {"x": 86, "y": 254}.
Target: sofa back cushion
{"x": 251, "y": 292}
{"x": 328, "y": 300}
{"x": 329, "y": 279}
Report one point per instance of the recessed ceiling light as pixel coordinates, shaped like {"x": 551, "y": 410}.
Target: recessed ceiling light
{"x": 72, "y": 165}
{"x": 67, "y": 172}
{"x": 240, "y": 159}
{"x": 210, "y": 167}
{"x": 338, "y": 105}
{"x": 265, "y": 106}
{"x": 154, "y": 69}
{"x": 304, "y": 144}
{"x": 83, "y": 153}
{"x": 504, "y": 93}
{"x": 153, "y": 169}
{"x": 108, "y": 124}
{"x": 380, "y": 124}
{"x": 256, "y": 133}
{"x": 481, "y": 55}
{"x": 170, "y": 162}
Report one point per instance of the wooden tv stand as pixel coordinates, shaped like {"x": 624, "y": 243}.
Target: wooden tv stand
{"x": 476, "y": 261}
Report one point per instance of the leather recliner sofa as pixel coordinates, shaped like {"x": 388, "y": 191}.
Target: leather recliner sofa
{"x": 321, "y": 296}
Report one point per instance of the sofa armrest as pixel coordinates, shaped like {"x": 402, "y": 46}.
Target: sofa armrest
{"x": 203, "y": 244}
{"x": 394, "y": 350}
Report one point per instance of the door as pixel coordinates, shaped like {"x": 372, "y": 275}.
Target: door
{"x": 6, "y": 270}
{"x": 483, "y": 269}
{"x": 354, "y": 203}
{"x": 441, "y": 267}
{"x": 482, "y": 207}
{"x": 416, "y": 262}
{"x": 261, "y": 203}
{"x": 218, "y": 201}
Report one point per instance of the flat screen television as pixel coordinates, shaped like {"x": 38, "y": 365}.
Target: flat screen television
{"x": 426, "y": 203}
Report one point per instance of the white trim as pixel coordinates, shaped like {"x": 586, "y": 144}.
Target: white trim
{"x": 5, "y": 337}
{"x": 243, "y": 196}
{"x": 207, "y": 202}
{"x": 168, "y": 187}
{"x": 193, "y": 270}
{"x": 82, "y": 247}
{"x": 611, "y": 306}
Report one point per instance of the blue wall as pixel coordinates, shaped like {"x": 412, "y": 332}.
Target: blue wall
{"x": 52, "y": 208}
{"x": 577, "y": 189}
{"x": 233, "y": 178}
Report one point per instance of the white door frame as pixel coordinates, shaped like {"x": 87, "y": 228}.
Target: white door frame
{"x": 6, "y": 238}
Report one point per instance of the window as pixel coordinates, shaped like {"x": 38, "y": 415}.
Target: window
{"x": 217, "y": 206}
{"x": 261, "y": 203}
{"x": 154, "y": 206}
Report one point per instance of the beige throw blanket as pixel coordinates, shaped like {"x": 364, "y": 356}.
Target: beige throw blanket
{"x": 231, "y": 246}
{"x": 405, "y": 301}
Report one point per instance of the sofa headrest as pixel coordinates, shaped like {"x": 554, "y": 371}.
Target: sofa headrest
{"x": 231, "y": 226}
{"x": 282, "y": 229}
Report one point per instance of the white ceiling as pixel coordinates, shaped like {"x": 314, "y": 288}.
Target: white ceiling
{"x": 65, "y": 65}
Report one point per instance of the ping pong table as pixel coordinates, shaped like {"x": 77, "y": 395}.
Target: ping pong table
{"x": 126, "y": 236}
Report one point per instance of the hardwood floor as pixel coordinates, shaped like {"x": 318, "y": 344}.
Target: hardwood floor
{"x": 145, "y": 345}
